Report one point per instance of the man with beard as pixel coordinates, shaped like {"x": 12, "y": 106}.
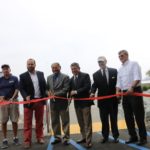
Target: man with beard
{"x": 33, "y": 86}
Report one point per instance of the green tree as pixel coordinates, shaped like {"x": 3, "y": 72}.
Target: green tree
{"x": 148, "y": 73}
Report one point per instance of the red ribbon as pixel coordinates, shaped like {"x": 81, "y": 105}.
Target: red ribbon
{"x": 5, "y": 102}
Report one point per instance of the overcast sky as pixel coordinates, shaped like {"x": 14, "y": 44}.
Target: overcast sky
{"x": 73, "y": 30}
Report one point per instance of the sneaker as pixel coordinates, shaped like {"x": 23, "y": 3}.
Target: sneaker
{"x": 4, "y": 144}
{"x": 16, "y": 141}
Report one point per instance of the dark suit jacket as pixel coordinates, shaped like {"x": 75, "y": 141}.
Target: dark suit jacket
{"x": 27, "y": 88}
{"x": 103, "y": 89}
{"x": 82, "y": 88}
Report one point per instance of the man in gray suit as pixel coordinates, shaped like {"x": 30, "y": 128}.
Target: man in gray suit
{"x": 58, "y": 85}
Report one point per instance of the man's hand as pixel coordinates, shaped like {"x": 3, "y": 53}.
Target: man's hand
{"x": 1, "y": 98}
{"x": 74, "y": 92}
{"x": 92, "y": 95}
{"x": 11, "y": 99}
{"x": 130, "y": 91}
{"x": 28, "y": 98}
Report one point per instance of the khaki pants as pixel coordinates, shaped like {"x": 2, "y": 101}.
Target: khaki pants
{"x": 85, "y": 122}
{"x": 9, "y": 111}
{"x": 56, "y": 115}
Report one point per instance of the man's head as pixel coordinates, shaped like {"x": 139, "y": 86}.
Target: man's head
{"x": 56, "y": 68}
{"x": 6, "y": 69}
{"x": 102, "y": 62}
{"x": 31, "y": 64}
{"x": 75, "y": 68}
{"x": 123, "y": 55}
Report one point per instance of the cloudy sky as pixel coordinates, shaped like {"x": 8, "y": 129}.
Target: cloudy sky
{"x": 73, "y": 30}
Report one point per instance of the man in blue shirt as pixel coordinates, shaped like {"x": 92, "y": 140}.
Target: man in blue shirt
{"x": 9, "y": 92}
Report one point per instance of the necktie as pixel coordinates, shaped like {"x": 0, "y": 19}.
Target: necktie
{"x": 55, "y": 78}
{"x": 104, "y": 76}
{"x": 75, "y": 81}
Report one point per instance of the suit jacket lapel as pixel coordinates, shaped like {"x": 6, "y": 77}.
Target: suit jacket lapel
{"x": 109, "y": 76}
{"x": 30, "y": 80}
{"x": 58, "y": 81}
{"x": 100, "y": 74}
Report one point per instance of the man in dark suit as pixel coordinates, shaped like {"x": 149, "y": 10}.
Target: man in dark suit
{"x": 33, "y": 86}
{"x": 80, "y": 85}
{"x": 58, "y": 85}
{"x": 105, "y": 81}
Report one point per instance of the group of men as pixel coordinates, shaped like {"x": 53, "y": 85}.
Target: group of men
{"x": 106, "y": 81}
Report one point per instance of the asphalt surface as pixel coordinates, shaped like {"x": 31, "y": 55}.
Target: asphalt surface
{"x": 74, "y": 146}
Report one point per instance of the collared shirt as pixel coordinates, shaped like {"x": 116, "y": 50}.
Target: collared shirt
{"x": 75, "y": 76}
{"x": 1, "y": 74}
{"x": 8, "y": 86}
{"x": 35, "y": 81}
{"x": 129, "y": 72}
{"x": 106, "y": 72}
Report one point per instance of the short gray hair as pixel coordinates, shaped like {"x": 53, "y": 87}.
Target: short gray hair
{"x": 123, "y": 51}
{"x": 75, "y": 64}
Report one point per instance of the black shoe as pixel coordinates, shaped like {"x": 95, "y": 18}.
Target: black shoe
{"x": 81, "y": 141}
{"x": 104, "y": 140}
{"x": 16, "y": 141}
{"x": 116, "y": 140}
{"x": 66, "y": 142}
{"x": 142, "y": 142}
{"x": 131, "y": 140}
{"x": 56, "y": 141}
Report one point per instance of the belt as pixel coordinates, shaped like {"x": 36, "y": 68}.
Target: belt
{"x": 124, "y": 91}
{"x": 133, "y": 89}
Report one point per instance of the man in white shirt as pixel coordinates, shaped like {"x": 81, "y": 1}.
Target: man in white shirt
{"x": 129, "y": 81}
{"x": 33, "y": 86}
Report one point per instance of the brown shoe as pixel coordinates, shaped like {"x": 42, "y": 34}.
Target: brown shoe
{"x": 88, "y": 145}
{"x": 41, "y": 141}
{"x": 27, "y": 146}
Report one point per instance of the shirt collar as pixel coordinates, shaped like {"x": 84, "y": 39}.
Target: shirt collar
{"x": 106, "y": 69}
{"x": 125, "y": 63}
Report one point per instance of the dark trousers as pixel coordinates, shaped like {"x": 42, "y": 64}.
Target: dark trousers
{"x": 85, "y": 122}
{"x": 134, "y": 111}
{"x": 109, "y": 110}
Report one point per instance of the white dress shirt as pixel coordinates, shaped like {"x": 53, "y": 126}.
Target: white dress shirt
{"x": 129, "y": 72}
{"x": 35, "y": 81}
{"x": 106, "y": 72}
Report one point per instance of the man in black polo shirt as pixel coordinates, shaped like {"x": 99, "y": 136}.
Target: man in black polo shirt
{"x": 9, "y": 92}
